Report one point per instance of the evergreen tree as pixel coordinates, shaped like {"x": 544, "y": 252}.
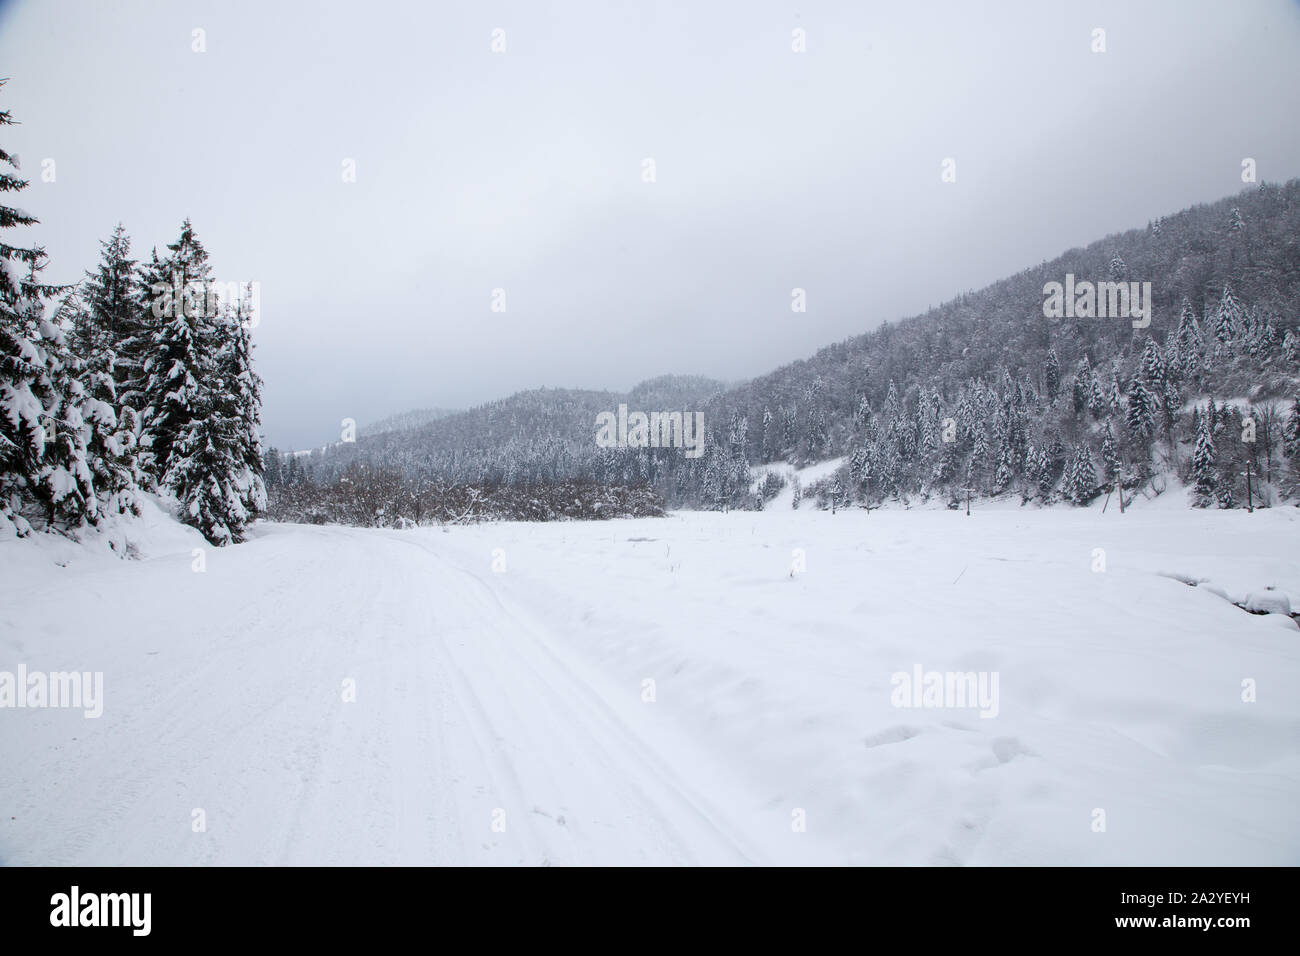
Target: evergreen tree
{"x": 1227, "y": 326}
{"x": 1188, "y": 339}
{"x": 1047, "y": 473}
{"x": 1152, "y": 369}
{"x": 1291, "y": 434}
{"x": 1081, "y": 476}
{"x": 44, "y": 475}
{"x": 863, "y": 413}
{"x": 977, "y": 467}
{"x": 185, "y": 341}
{"x": 1141, "y": 416}
{"x": 1204, "y": 473}
{"x": 1098, "y": 403}
{"x": 1110, "y": 459}
{"x": 107, "y": 315}
{"x": 1291, "y": 347}
{"x": 1081, "y": 390}
{"x": 817, "y": 427}
{"x": 113, "y": 306}
{"x": 1052, "y": 375}
{"x": 966, "y": 419}
{"x": 945, "y": 470}
{"x": 769, "y": 436}
{"x": 1114, "y": 402}
{"x": 1117, "y": 271}
{"x": 245, "y": 387}
{"x": 789, "y": 428}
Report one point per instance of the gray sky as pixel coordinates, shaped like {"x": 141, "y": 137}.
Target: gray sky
{"x": 522, "y": 170}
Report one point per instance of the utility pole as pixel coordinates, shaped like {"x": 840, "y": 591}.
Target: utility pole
{"x": 1250, "y": 506}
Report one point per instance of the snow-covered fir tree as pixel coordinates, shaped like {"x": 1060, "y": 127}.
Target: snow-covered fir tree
{"x": 106, "y": 314}
{"x": 184, "y": 343}
{"x": 1110, "y": 460}
{"x": 1081, "y": 476}
{"x": 1052, "y": 375}
{"x": 1227, "y": 326}
{"x": 46, "y": 415}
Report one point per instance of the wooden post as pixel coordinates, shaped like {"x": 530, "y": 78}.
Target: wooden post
{"x": 1250, "y": 506}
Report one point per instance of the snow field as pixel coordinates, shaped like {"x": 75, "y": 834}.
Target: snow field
{"x": 505, "y": 716}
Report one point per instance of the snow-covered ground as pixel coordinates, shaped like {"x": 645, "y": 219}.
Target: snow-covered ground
{"x": 664, "y": 691}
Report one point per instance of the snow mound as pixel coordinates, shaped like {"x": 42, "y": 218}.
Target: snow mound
{"x": 153, "y": 533}
{"x": 1267, "y": 602}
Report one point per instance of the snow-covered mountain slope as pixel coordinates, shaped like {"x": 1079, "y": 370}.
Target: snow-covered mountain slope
{"x": 665, "y": 691}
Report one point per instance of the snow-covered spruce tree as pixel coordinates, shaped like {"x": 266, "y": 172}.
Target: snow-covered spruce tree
{"x": 945, "y": 469}
{"x": 1081, "y": 476}
{"x": 977, "y": 467}
{"x": 44, "y": 476}
{"x": 1098, "y": 402}
{"x": 1110, "y": 460}
{"x": 183, "y": 347}
{"x": 1227, "y": 326}
{"x": 1117, "y": 270}
{"x": 1291, "y": 348}
{"x": 927, "y": 429}
{"x": 1140, "y": 420}
{"x": 205, "y": 471}
{"x": 24, "y": 359}
{"x": 1044, "y": 476}
{"x": 1152, "y": 367}
{"x": 111, "y": 297}
{"x": 1229, "y": 454}
{"x": 789, "y": 429}
{"x": 712, "y": 489}
{"x": 768, "y": 452}
{"x": 1052, "y": 375}
{"x": 201, "y": 397}
{"x": 248, "y": 389}
{"x": 1205, "y": 475}
{"x": 216, "y": 470}
{"x": 106, "y": 314}
{"x": 1291, "y": 435}
{"x": 1081, "y": 386}
{"x": 45, "y": 481}
{"x": 1114, "y": 401}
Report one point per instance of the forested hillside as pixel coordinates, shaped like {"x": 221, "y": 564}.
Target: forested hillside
{"x": 983, "y": 393}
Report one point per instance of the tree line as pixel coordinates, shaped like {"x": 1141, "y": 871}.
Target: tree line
{"x": 137, "y": 379}
{"x": 982, "y": 395}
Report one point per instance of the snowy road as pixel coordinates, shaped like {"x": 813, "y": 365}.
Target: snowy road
{"x": 503, "y": 718}
{"x": 468, "y": 740}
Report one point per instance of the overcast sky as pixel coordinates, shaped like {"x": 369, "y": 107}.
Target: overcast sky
{"x": 523, "y": 170}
